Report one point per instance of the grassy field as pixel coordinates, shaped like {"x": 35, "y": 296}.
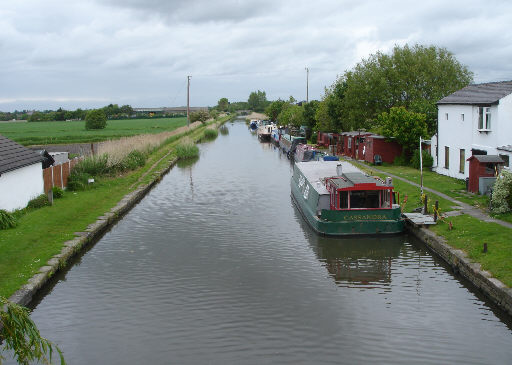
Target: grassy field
{"x": 41, "y": 233}
{"x": 36, "y": 133}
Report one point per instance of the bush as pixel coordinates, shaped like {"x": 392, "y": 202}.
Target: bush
{"x": 57, "y": 192}
{"x": 400, "y": 160}
{"x": 314, "y": 138}
{"x": 428, "y": 160}
{"x": 93, "y": 165}
{"x": 95, "y": 119}
{"x": 7, "y": 220}
{"x": 78, "y": 180}
{"x": 132, "y": 161}
{"x": 501, "y": 199}
{"x": 38, "y": 202}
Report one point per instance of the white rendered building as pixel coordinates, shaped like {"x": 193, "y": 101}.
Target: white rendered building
{"x": 21, "y": 175}
{"x": 476, "y": 120}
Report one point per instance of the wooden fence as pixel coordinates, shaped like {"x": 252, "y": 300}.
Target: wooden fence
{"x": 58, "y": 175}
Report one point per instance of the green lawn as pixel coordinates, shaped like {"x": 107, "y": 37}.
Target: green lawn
{"x": 469, "y": 234}
{"x": 74, "y": 132}
{"x": 454, "y": 188}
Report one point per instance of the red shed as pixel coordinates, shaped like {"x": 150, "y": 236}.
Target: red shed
{"x": 375, "y": 144}
{"x": 482, "y": 166}
{"x": 353, "y": 144}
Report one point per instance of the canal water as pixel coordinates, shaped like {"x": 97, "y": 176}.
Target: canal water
{"x": 216, "y": 266}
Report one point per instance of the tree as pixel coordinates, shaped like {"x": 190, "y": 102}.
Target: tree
{"x": 413, "y": 77}
{"x": 310, "y": 113}
{"x": 21, "y": 336}
{"x": 257, "y": 101}
{"x": 95, "y": 119}
{"x": 329, "y": 112}
{"x": 200, "y": 115}
{"x": 405, "y": 126}
{"x": 292, "y": 115}
{"x": 223, "y": 104}
{"x": 275, "y": 108}
{"x": 127, "y": 110}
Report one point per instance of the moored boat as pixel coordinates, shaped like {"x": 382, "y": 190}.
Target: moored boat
{"x": 338, "y": 199}
{"x": 264, "y": 132}
{"x": 288, "y": 144}
{"x": 253, "y": 124}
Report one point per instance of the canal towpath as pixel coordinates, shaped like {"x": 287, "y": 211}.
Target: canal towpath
{"x": 458, "y": 205}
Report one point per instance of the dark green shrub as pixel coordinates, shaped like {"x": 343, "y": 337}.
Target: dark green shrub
{"x": 400, "y": 160}
{"x": 38, "y": 202}
{"x": 95, "y": 119}
{"x": 428, "y": 160}
{"x": 7, "y": 220}
{"x": 314, "y": 138}
{"x": 94, "y": 165}
{"x": 78, "y": 180}
{"x": 132, "y": 161}
{"x": 57, "y": 192}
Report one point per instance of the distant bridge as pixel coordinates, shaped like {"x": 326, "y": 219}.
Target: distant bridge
{"x": 177, "y": 110}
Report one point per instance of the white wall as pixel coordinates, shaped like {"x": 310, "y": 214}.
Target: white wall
{"x": 19, "y": 186}
{"x": 456, "y": 134}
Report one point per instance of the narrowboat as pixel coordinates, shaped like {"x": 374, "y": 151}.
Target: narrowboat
{"x": 338, "y": 199}
{"x": 305, "y": 152}
{"x": 264, "y": 132}
{"x": 288, "y": 144}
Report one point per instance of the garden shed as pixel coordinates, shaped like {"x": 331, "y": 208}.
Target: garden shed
{"x": 21, "y": 175}
{"x": 483, "y": 170}
{"x": 387, "y": 149}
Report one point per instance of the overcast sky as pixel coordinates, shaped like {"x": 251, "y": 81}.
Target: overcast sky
{"x": 89, "y": 53}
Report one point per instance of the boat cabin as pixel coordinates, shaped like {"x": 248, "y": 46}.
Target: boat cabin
{"x": 354, "y": 190}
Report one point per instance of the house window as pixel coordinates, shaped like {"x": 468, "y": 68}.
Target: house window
{"x": 446, "y": 116}
{"x": 462, "y": 117}
{"x": 484, "y": 118}
{"x": 446, "y": 157}
{"x": 349, "y": 143}
{"x": 506, "y": 159}
{"x": 462, "y": 160}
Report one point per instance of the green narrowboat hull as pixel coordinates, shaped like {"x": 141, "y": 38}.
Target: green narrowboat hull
{"x": 344, "y": 222}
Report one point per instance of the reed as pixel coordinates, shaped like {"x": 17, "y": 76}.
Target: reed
{"x": 187, "y": 149}
{"x": 210, "y": 133}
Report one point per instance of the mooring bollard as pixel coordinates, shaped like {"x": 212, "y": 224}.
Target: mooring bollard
{"x": 425, "y": 205}
{"x": 50, "y": 196}
{"x": 485, "y": 248}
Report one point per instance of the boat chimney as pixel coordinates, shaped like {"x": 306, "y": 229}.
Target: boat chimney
{"x": 389, "y": 181}
{"x": 339, "y": 169}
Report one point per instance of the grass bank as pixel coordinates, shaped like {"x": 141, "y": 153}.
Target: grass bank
{"x": 35, "y": 133}
{"x": 468, "y": 234}
{"x": 40, "y": 233}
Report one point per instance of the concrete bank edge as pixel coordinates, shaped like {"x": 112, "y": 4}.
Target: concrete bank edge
{"x": 92, "y": 233}
{"x": 493, "y": 288}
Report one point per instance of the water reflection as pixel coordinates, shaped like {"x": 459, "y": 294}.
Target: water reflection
{"x": 224, "y": 130}
{"x": 188, "y": 162}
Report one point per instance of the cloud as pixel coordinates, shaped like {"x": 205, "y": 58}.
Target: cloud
{"x": 140, "y": 52}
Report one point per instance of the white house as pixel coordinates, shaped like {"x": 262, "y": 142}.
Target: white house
{"x": 21, "y": 175}
{"x": 476, "y": 120}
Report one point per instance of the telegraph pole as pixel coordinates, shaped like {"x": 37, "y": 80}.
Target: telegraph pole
{"x": 307, "y": 85}
{"x": 188, "y": 100}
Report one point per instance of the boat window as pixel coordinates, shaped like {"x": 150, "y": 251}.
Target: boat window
{"x": 364, "y": 199}
{"x": 343, "y": 199}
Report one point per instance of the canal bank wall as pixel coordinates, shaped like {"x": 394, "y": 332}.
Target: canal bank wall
{"x": 82, "y": 240}
{"x": 491, "y": 287}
